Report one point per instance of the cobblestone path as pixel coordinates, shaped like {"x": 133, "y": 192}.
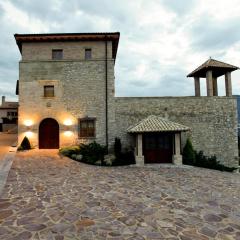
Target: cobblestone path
{"x": 49, "y": 197}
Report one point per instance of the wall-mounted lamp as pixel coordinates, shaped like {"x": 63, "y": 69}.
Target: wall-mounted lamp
{"x": 68, "y": 133}
{"x": 29, "y": 134}
{"x": 68, "y": 122}
{"x": 28, "y": 124}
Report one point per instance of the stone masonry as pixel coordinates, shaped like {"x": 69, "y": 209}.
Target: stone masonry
{"x": 80, "y": 91}
{"x": 79, "y": 88}
{"x": 213, "y": 121}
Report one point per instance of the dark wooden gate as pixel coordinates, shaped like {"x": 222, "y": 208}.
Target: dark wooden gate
{"x": 158, "y": 147}
{"x": 49, "y": 134}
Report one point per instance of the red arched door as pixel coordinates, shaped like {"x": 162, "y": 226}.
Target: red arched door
{"x": 49, "y": 134}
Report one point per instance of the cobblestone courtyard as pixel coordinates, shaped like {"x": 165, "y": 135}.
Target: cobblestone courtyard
{"x": 49, "y": 197}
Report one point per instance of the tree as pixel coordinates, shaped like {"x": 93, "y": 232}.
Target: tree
{"x": 117, "y": 148}
{"x": 25, "y": 145}
{"x": 189, "y": 155}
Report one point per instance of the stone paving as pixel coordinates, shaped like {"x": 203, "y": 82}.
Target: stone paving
{"x": 55, "y": 198}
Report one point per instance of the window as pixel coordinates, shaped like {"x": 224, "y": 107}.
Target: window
{"x": 87, "y": 127}
{"x": 88, "y": 53}
{"x": 48, "y": 91}
{"x": 57, "y": 54}
{"x": 12, "y": 114}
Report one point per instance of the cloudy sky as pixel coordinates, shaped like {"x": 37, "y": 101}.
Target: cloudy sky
{"x": 161, "y": 40}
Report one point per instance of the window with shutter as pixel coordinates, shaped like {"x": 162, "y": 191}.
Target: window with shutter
{"x": 87, "y": 127}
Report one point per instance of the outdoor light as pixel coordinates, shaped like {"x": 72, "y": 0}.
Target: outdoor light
{"x": 67, "y": 122}
{"x": 29, "y": 134}
{"x": 68, "y": 133}
{"x": 28, "y": 123}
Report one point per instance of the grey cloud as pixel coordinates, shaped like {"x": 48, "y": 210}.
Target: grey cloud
{"x": 208, "y": 34}
{"x": 1, "y": 12}
{"x": 43, "y": 9}
{"x": 180, "y": 7}
{"x": 9, "y": 93}
{"x": 118, "y": 12}
{"x": 172, "y": 83}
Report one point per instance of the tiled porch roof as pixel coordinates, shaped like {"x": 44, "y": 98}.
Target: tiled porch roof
{"x": 156, "y": 124}
{"x": 219, "y": 67}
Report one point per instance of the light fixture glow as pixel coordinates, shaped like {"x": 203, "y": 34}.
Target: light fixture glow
{"x": 67, "y": 122}
{"x": 68, "y": 133}
{"x": 29, "y": 134}
{"x": 28, "y": 123}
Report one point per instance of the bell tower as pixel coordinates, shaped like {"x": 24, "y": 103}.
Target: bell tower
{"x": 211, "y": 70}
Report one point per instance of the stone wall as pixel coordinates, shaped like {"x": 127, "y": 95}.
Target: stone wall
{"x": 71, "y": 50}
{"x": 79, "y": 92}
{"x": 12, "y": 128}
{"x": 213, "y": 121}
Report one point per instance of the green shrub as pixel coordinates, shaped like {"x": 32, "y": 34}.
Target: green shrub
{"x": 117, "y": 147}
{"x": 93, "y": 152}
{"x": 25, "y": 144}
{"x": 122, "y": 158}
{"x": 198, "y": 159}
{"x": 189, "y": 156}
{"x": 69, "y": 151}
{"x": 125, "y": 158}
{"x": 211, "y": 162}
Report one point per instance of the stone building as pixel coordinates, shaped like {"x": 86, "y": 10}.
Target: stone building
{"x": 8, "y": 116}
{"x": 66, "y": 96}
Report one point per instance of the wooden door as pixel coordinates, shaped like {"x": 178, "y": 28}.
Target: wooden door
{"x": 158, "y": 147}
{"x": 49, "y": 134}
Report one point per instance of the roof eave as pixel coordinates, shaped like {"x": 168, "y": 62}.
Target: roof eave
{"x": 111, "y": 36}
{"x": 197, "y": 73}
{"x": 173, "y": 131}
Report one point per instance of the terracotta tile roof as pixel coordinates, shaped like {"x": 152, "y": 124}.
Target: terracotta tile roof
{"x": 156, "y": 124}
{"x": 211, "y": 64}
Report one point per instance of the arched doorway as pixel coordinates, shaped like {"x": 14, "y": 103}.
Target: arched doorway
{"x": 49, "y": 134}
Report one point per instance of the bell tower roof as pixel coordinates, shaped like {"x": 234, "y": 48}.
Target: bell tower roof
{"x": 218, "y": 68}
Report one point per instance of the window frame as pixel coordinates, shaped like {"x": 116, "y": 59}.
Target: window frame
{"x": 87, "y": 119}
{"x": 44, "y": 91}
{"x": 12, "y": 114}
{"x": 86, "y": 50}
{"x": 57, "y": 50}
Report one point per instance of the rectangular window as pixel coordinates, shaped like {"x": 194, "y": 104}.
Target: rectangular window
{"x": 57, "y": 54}
{"x": 48, "y": 91}
{"x": 88, "y": 53}
{"x": 12, "y": 114}
{"x": 87, "y": 127}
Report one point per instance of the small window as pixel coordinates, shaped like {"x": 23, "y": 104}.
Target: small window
{"x": 57, "y": 54}
{"x": 87, "y": 128}
{"x": 12, "y": 114}
{"x": 48, "y": 91}
{"x": 88, "y": 53}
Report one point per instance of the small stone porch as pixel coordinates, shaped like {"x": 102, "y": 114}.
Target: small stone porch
{"x": 158, "y": 140}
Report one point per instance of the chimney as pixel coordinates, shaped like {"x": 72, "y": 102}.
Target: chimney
{"x": 3, "y": 100}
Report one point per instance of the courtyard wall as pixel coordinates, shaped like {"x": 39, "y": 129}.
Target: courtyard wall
{"x": 213, "y": 121}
